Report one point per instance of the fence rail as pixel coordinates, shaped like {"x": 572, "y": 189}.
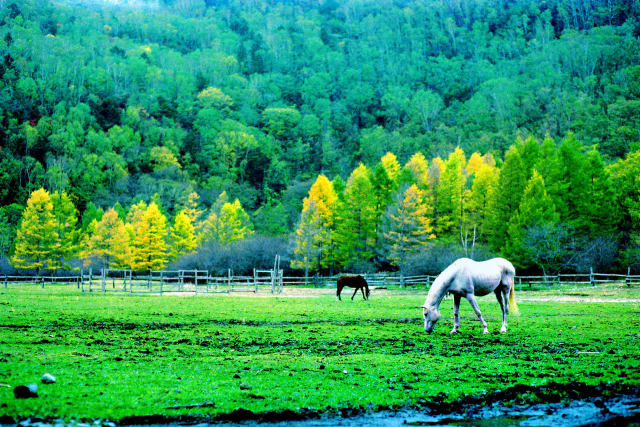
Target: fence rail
{"x": 200, "y": 281}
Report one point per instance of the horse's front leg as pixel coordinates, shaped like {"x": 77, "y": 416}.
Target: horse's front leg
{"x": 502, "y": 300}
{"x": 363, "y": 295}
{"x": 456, "y": 313}
{"x": 474, "y": 304}
{"x": 338, "y": 294}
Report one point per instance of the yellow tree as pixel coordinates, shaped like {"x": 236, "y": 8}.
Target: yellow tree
{"x": 36, "y": 237}
{"x": 325, "y": 199}
{"x": 226, "y": 222}
{"x": 308, "y": 238}
{"x": 182, "y": 236}
{"x": 391, "y": 165}
{"x": 108, "y": 241}
{"x": 418, "y": 166}
{"x": 482, "y": 189}
{"x": 191, "y": 208}
{"x": 66, "y": 216}
{"x": 406, "y": 224}
{"x": 475, "y": 162}
{"x": 148, "y": 244}
{"x": 450, "y": 196}
{"x": 233, "y": 223}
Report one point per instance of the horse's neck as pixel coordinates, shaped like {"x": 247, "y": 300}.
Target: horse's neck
{"x": 438, "y": 290}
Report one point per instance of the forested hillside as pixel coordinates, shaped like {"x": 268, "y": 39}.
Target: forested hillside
{"x": 113, "y": 104}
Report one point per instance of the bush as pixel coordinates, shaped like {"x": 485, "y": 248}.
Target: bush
{"x": 439, "y": 255}
{"x": 241, "y": 257}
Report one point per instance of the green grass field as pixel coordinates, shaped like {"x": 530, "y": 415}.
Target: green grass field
{"x": 122, "y": 356}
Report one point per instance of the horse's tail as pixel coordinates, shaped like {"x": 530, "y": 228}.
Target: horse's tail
{"x": 513, "y": 307}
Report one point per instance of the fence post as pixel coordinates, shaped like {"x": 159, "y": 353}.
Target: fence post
{"x": 42, "y": 280}
{"x": 627, "y": 280}
{"x": 6, "y": 280}
{"x": 592, "y": 280}
{"x": 229, "y": 280}
{"x": 401, "y": 281}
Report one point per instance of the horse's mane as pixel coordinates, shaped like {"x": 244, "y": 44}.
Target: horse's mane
{"x": 444, "y": 277}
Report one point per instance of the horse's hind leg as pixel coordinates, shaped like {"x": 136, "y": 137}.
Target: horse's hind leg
{"x": 338, "y": 294}
{"x": 474, "y": 304}
{"x": 502, "y": 300}
{"x": 456, "y": 312}
{"x": 354, "y": 293}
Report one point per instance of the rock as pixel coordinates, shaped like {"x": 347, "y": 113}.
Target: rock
{"x": 26, "y": 391}
{"x": 245, "y": 386}
{"x": 48, "y": 379}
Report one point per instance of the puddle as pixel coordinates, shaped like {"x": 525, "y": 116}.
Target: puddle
{"x": 618, "y": 411}
{"x": 611, "y": 411}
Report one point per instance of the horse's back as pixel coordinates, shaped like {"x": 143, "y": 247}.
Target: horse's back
{"x": 351, "y": 281}
{"x": 486, "y": 275}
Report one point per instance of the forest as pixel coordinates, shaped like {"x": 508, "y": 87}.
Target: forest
{"x": 356, "y": 135}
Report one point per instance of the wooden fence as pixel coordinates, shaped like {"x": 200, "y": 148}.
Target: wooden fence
{"x": 200, "y": 281}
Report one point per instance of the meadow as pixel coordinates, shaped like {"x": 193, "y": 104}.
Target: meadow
{"x": 152, "y": 358}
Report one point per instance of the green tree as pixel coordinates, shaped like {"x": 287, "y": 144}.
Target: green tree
{"x": 355, "y": 232}
{"x": 536, "y": 209}
{"x": 505, "y": 199}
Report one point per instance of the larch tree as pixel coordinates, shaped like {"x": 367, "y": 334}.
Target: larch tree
{"x": 191, "y": 208}
{"x": 308, "y": 238}
{"x": 625, "y": 177}
{"x": 536, "y": 209}
{"x": 418, "y": 166}
{"x": 390, "y": 163}
{"x": 505, "y": 199}
{"x": 108, "y": 241}
{"x": 451, "y": 195}
{"x": 66, "y": 216}
{"x": 567, "y": 183}
{"x": 355, "y": 232}
{"x": 484, "y": 183}
{"x": 182, "y": 237}
{"x": 323, "y": 195}
{"x": 149, "y": 247}
{"x": 233, "y": 223}
{"x": 37, "y": 236}
{"x": 406, "y": 224}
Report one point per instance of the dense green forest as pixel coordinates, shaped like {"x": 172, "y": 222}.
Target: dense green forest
{"x": 118, "y": 103}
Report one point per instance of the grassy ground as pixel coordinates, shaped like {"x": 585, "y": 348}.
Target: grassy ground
{"x": 120, "y": 356}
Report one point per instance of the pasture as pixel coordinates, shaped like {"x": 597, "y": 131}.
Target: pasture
{"x": 150, "y": 358}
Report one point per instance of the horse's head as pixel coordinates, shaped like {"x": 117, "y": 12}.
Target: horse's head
{"x": 431, "y": 316}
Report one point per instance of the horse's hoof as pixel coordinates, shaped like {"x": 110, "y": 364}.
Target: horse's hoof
{"x": 503, "y": 331}
{"x": 486, "y": 331}
{"x": 454, "y": 331}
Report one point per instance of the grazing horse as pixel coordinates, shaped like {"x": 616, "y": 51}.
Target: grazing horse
{"x": 357, "y": 282}
{"x": 468, "y": 278}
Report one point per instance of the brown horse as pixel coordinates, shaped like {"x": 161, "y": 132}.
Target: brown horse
{"x": 357, "y": 282}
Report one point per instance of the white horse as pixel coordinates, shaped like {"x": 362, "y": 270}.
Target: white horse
{"x": 468, "y": 278}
